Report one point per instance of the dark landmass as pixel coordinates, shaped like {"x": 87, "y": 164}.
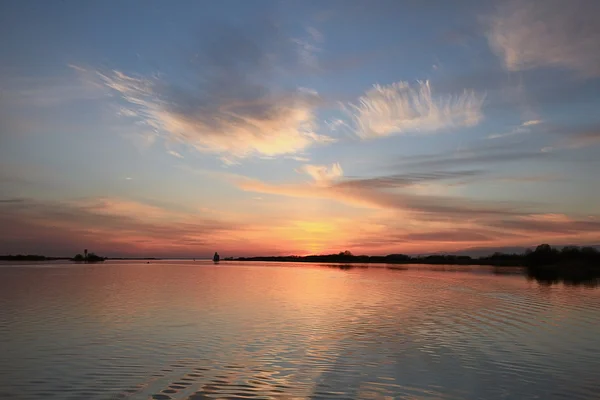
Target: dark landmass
{"x": 546, "y": 264}
{"x": 571, "y": 264}
{"x": 346, "y": 257}
{"x": 90, "y": 258}
{"x": 78, "y": 257}
{"x": 30, "y": 257}
{"x": 543, "y": 255}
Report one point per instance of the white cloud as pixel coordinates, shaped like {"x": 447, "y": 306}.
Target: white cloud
{"x": 307, "y": 48}
{"x": 323, "y": 174}
{"x": 515, "y": 131}
{"x": 267, "y": 125}
{"x": 532, "y": 122}
{"x": 524, "y": 128}
{"x": 77, "y": 68}
{"x": 307, "y": 53}
{"x": 175, "y": 154}
{"x": 401, "y": 108}
{"x": 126, "y": 112}
{"x": 299, "y": 158}
{"x": 315, "y": 34}
{"x": 547, "y": 33}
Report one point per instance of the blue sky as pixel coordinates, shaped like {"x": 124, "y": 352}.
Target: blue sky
{"x": 268, "y": 127}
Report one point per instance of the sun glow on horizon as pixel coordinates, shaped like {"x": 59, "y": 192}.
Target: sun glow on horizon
{"x": 311, "y": 137}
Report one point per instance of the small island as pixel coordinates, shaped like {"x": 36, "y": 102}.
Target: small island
{"x": 88, "y": 257}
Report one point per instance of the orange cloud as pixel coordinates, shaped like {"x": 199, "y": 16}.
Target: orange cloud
{"x": 425, "y": 221}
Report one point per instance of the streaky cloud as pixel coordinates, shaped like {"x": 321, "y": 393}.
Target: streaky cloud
{"x": 524, "y": 128}
{"x": 371, "y": 193}
{"x": 405, "y": 180}
{"x": 270, "y": 125}
{"x": 402, "y": 108}
{"x": 109, "y": 224}
{"x": 465, "y": 158}
{"x": 550, "y": 224}
{"x": 584, "y": 139}
{"x": 175, "y": 154}
{"x": 230, "y": 105}
{"x": 529, "y": 34}
{"x": 323, "y": 174}
{"x": 422, "y": 218}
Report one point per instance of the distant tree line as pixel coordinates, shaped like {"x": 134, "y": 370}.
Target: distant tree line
{"x": 543, "y": 255}
{"x": 570, "y": 264}
{"x": 29, "y": 257}
{"x": 91, "y": 257}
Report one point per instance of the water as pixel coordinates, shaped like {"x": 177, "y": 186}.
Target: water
{"x": 185, "y": 330}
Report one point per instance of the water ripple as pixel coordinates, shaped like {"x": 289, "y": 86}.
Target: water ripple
{"x": 191, "y": 331}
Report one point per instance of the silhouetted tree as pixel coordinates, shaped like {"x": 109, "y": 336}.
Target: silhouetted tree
{"x": 91, "y": 257}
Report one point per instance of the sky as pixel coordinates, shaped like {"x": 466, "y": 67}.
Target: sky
{"x": 177, "y": 129}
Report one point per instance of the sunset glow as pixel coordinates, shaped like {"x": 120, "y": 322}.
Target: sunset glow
{"x": 267, "y": 128}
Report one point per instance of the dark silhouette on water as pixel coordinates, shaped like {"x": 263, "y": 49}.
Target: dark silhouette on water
{"x": 30, "y": 257}
{"x": 570, "y": 265}
{"x": 88, "y": 258}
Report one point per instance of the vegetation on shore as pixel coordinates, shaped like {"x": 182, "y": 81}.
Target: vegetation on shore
{"x": 544, "y": 255}
{"x": 90, "y": 258}
{"x": 571, "y": 264}
{"x": 29, "y": 257}
{"x": 78, "y": 257}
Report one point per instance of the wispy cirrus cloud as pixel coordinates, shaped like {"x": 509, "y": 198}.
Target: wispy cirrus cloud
{"x": 402, "y": 108}
{"x": 466, "y": 158}
{"x": 407, "y": 179}
{"x": 532, "y": 122}
{"x": 270, "y": 124}
{"x": 175, "y": 154}
{"x": 529, "y": 34}
{"x": 232, "y": 105}
{"x": 323, "y": 174}
{"x": 524, "y": 128}
{"x": 308, "y": 48}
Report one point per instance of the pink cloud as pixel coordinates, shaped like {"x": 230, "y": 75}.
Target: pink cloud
{"x": 547, "y": 33}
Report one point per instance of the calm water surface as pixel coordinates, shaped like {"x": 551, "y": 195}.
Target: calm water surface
{"x": 185, "y": 330}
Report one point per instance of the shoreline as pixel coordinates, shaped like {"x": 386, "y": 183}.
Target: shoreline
{"x": 395, "y": 259}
